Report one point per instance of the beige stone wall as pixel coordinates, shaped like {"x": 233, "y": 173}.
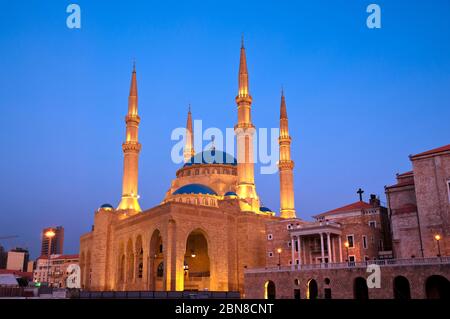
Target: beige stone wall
{"x": 235, "y": 240}
{"x": 431, "y": 176}
{"x": 404, "y": 222}
{"x": 341, "y": 281}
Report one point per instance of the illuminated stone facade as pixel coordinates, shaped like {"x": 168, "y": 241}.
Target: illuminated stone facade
{"x": 206, "y": 231}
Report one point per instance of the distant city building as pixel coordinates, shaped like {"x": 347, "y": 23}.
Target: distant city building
{"x": 3, "y": 257}
{"x": 30, "y": 266}
{"x": 57, "y": 242}
{"x": 55, "y": 274}
{"x": 17, "y": 259}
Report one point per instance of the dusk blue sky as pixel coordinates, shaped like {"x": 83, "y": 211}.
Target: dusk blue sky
{"x": 359, "y": 100}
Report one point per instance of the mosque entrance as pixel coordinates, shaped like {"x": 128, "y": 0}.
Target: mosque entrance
{"x": 156, "y": 262}
{"x": 196, "y": 262}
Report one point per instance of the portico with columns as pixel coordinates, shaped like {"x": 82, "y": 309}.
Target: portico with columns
{"x": 314, "y": 243}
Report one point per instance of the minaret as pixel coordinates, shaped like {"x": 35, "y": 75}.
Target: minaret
{"x": 131, "y": 148}
{"x": 244, "y": 131}
{"x": 189, "y": 146}
{"x": 285, "y": 165}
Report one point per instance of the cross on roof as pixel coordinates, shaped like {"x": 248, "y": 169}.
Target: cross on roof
{"x": 360, "y": 193}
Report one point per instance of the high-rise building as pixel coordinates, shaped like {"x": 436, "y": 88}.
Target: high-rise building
{"x": 52, "y": 245}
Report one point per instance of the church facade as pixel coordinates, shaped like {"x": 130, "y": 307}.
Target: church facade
{"x": 207, "y": 230}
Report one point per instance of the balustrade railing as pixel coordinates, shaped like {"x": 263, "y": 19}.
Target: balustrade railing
{"x": 357, "y": 264}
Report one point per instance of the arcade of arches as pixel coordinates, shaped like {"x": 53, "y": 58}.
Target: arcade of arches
{"x": 396, "y": 283}
{"x": 130, "y": 263}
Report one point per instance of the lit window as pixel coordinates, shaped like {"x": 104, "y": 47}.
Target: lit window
{"x": 351, "y": 241}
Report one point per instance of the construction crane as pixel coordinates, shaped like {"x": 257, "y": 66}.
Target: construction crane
{"x": 9, "y": 237}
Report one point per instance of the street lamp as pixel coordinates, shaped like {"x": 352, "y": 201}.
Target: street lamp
{"x": 438, "y": 238}
{"x": 279, "y": 257}
{"x": 49, "y": 234}
{"x": 346, "y": 244}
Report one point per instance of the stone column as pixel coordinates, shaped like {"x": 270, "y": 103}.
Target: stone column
{"x": 292, "y": 252}
{"x": 299, "y": 245}
{"x": 340, "y": 249}
{"x": 333, "y": 243}
{"x": 329, "y": 247}
{"x": 322, "y": 248}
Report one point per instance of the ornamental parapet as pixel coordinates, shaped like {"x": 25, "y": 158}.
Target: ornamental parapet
{"x": 131, "y": 147}
{"x": 282, "y": 165}
{"x": 134, "y": 119}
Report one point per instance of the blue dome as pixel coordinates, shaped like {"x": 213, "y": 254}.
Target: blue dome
{"x": 230, "y": 194}
{"x": 212, "y": 157}
{"x": 194, "y": 189}
{"x": 106, "y": 206}
{"x": 265, "y": 209}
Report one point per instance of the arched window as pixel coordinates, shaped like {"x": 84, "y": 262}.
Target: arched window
{"x": 269, "y": 290}
{"x": 360, "y": 289}
{"x": 312, "y": 291}
{"x": 197, "y": 171}
{"x": 437, "y": 287}
{"x": 140, "y": 263}
{"x": 205, "y": 202}
{"x": 160, "y": 270}
{"x": 213, "y": 202}
{"x": 401, "y": 288}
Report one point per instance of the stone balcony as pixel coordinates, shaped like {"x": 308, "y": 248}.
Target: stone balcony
{"x": 362, "y": 264}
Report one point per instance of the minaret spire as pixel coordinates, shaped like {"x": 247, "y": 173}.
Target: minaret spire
{"x": 285, "y": 165}
{"x": 243, "y": 73}
{"x": 189, "y": 145}
{"x": 244, "y": 131}
{"x": 131, "y": 149}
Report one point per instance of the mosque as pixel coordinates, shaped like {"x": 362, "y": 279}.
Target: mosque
{"x": 207, "y": 230}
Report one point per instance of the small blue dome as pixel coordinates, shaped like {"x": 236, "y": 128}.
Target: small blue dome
{"x": 230, "y": 194}
{"x": 107, "y": 206}
{"x": 265, "y": 209}
{"x": 194, "y": 189}
{"x": 212, "y": 157}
